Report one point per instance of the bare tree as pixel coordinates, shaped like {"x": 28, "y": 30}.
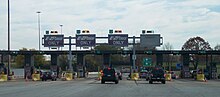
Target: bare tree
{"x": 167, "y": 46}
{"x": 168, "y": 58}
{"x": 196, "y": 43}
{"x": 216, "y": 57}
{"x": 217, "y": 47}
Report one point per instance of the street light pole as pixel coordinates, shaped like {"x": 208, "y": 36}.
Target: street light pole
{"x": 61, "y": 30}
{"x": 9, "y": 57}
{"x": 38, "y": 13}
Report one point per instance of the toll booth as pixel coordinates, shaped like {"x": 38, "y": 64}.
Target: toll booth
{"x": 80, "y": 73}
{"x": 3, "y": 69}
{"x": 185, "y": 72}
{"x": 212, "y": 71}
{"x": 28, "y": 71}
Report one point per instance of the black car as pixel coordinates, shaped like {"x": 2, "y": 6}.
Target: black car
{"x": 109, "y": 75}
{"x": 52, "y": 75}
{"x": 143, "y": 74}
{"x": 45, "y": 75}
{"x": 157, "y": 74}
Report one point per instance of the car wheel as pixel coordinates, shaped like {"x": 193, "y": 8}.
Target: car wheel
{"x": 102, "y": 81}
{"x": 147, "y": 79}
{"x": 151, "y": 82}
{"x": 116, "y": 82}
{"x": 164, "y": 82}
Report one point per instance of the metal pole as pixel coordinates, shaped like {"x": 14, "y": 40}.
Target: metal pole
{"x": 134, "y": 55}
{"x": 61, "y": 30}
{"x": 38, "y": 13}
{"x": 70, "y": 55}
{"x": 9, "y": 57}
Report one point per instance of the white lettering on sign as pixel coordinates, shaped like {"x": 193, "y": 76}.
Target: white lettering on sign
{"x": 85, "y": 38}
{"x": 53, "y": 42}
{"x": 118, "y": 42}
{"x": 85, "y": 42}
{"x": 54, "y": 38}
{"x": 118, "y": 38}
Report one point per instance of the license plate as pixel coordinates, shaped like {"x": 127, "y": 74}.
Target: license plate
{"x": 158, "y": 78}
{"x": 108, "y": 75}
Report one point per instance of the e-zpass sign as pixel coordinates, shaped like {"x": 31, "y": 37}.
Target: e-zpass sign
{"x": 53, "y": 41}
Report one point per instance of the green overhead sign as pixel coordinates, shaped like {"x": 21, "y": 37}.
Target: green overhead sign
{"x": 147, "y": 62}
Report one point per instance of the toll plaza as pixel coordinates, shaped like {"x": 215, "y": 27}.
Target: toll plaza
{"x": 116, "y": 39}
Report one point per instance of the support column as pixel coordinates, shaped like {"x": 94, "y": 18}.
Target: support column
{"x": 106, "y": 60}
{"x": 80, "y": 65}
{"x": 54, "y": 63}
{"x": 80, "y": 59}
{"x": 131, "y": 60}
{"x": 54, "y": 59}
{"x": 2, "y": 58}
{"x": 159, "y": 58}
{"x": 185, "y": 73}
{"x": 28, "y": 66}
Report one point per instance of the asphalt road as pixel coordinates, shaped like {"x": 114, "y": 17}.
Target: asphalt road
{"x": 94, "y": 88}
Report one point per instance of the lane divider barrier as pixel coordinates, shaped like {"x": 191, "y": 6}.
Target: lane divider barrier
{"x": 3, "y": 77}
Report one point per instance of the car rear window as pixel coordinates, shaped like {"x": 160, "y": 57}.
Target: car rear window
{"x": 109, "y": 71}
{"x": 157, "y": 71}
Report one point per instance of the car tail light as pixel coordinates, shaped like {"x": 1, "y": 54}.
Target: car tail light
{"x": 102, "y": 74}
{"x": 164, "y": 75}
{"x": 152, "y": 75}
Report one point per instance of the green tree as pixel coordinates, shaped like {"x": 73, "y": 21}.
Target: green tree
{"x": 63, "y": 59}
{"x": 107, "y": 47}
{"x": 19, "y": 60}
{"x": 39, "y": 60}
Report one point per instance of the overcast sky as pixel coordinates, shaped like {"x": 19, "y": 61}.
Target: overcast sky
{"x": 175, "y": 20}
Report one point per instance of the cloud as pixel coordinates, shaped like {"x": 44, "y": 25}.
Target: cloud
{"x": 175, "y": 20}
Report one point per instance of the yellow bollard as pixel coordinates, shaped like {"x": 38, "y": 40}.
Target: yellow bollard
{"x": 134, "y": 76}
{"x": 200, "y": 77}
{"x": 35, "y": 77}
{"x": 69, "y": 76}
{"x": 99, "y": 76}
{"x": 3, "y": 77}
{"x": 168, "y": 77}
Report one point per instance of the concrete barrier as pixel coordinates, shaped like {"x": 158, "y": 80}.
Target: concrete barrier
{"x": 99, "y": 76}
{"x": 3, "y": 77}
{"x": 69, "y": 76}
{"x": 200, "y": 77}
{"x": 134, "y": 76}
{"x": 168, "y": 77}
{"x": 35, "y": 77}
